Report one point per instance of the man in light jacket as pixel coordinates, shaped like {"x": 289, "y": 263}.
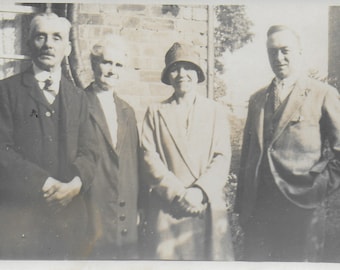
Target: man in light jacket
{"x": 285, "y": 175}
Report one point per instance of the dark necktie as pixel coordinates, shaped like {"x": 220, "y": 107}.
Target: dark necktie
{"x": 47, "y": 87}
{"x": 275, "y": 96}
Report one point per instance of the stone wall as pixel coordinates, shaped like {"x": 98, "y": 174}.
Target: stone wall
{"x": 149, "y": 31}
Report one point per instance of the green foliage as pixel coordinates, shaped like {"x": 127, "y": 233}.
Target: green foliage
{"x": 236, "y": 130}
{"x": 219, "y": 87}
{"x": 232, "y": 32}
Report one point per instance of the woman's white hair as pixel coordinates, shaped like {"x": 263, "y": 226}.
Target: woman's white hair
{"x": 109, "y": 41}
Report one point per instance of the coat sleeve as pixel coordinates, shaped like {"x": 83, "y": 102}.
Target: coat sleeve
{"x": 243, "y": 161}
{"x": 22, "y": 173}
{"x": 331, "y": 126}
{"x": 157, "y": 175}
{"x": 85, "y": 162}
{"x": 213, "y": 180}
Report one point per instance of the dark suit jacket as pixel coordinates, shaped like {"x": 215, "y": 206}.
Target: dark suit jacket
{"x": 30, "y": 228}
{"x": 295, "y": 154}
{"x": 112, "y": 200}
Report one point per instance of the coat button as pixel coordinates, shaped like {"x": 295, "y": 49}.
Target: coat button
{"x": 122, "y": 203}
{"x": 122, "y": 217}
{"x": 124, "y": 232}
{"x": 48, "y": 114}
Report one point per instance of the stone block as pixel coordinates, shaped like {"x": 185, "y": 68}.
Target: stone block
{"x": 129, "y": 8}
{"x": 90, "y": 19}
{"x": 93, "y": 33}
{"x": 106, "y": 30}
{"x": 200, "y": 14}
{"x": 140, "y": 62}
{"x": 156, "y": 24}
{"x": 200, "y": 39}
{"x": 110, "y": 9}
{"x": 131, "y": 22}
{"x": 139, "y": 36}
{"x": 84, "y": 46}
{"x": 134, "y": 88}
{"x": 114, "y": 20}
{"x": 161, "y": 89}
{"x": 185, "y": 13}
{"x": 189, "y": 27}
{"x": 155, "y": 11}
{"x": 150, "y": 76}
{"x": 89, "y": 8}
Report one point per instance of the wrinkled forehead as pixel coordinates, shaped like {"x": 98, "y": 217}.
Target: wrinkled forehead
{"x": 56, "y": 25}
{"x": 284, "y": 38}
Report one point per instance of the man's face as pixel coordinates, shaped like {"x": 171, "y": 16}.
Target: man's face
{"x": 49, "y": 44}
{"x": 284, "y": 53}
{"x": 183, "y": 77}
{"x": 108, "y": 70}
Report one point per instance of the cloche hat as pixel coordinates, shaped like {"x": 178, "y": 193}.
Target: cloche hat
{"x": 180, "y": 52}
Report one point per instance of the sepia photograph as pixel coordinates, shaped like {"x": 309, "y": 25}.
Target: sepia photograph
{"x": 169, "y": 134}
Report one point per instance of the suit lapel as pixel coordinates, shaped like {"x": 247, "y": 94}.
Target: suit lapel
{"x": 259, "y": 114}
{"x": 97, "y": 114}
{"x": 177, "y": 133}
{"x": 123, "y": 122}
{"x": 294, "y": 102}
{"x": 33, "y": 88}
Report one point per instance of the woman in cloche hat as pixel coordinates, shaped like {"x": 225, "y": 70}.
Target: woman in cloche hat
{"x": 186, "y": 154}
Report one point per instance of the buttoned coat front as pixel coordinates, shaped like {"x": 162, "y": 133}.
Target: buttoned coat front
{"x": 174, "y": 160}
{"x": 112, "y": 199}
{"x": 300, "y": 169}
{"x": 30, "y": 229}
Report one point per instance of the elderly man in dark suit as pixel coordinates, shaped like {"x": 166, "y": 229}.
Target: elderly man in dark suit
{"x": 47, "y": 152}
{"x": 112, "y": 201}
{"x": 285, "y": 175}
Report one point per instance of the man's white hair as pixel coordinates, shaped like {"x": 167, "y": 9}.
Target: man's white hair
{"x": 41, "y": 17}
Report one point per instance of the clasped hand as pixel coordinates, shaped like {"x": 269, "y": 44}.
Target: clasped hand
{"x": 190, "y": 204}
{"x": 57, "y": 193}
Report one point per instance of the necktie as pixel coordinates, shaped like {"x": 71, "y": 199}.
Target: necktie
{"x": 48, "y": 82}
{"x": 276, "y": 97}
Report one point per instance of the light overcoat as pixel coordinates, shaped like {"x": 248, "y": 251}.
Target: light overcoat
{"x": 174, "y": 160}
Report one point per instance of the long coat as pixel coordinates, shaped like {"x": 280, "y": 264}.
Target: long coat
{"x": 295, "y": 154}
{"x": 174, "y": 161}
{"x": 112, "y": 200}
{"x": 29, "y": 228}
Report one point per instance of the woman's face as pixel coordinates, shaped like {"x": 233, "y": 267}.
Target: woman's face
{"x": 183, "y": 77}
{"x": 108, "y": 70}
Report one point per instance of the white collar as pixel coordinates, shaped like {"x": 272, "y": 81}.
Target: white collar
{"x": 42, "y": 75}
{"x": 101, "y": 92}
{"x": 287, "y": 82}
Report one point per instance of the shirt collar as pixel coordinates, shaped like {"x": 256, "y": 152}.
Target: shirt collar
{"x": 103, "y": 92}
{"x": 287, "y": 82}
{"x": 43, "y": 75}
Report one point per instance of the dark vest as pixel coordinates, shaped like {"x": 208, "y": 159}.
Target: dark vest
{"x": 271, "y": 120}
{"x": 52, "y": 118}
